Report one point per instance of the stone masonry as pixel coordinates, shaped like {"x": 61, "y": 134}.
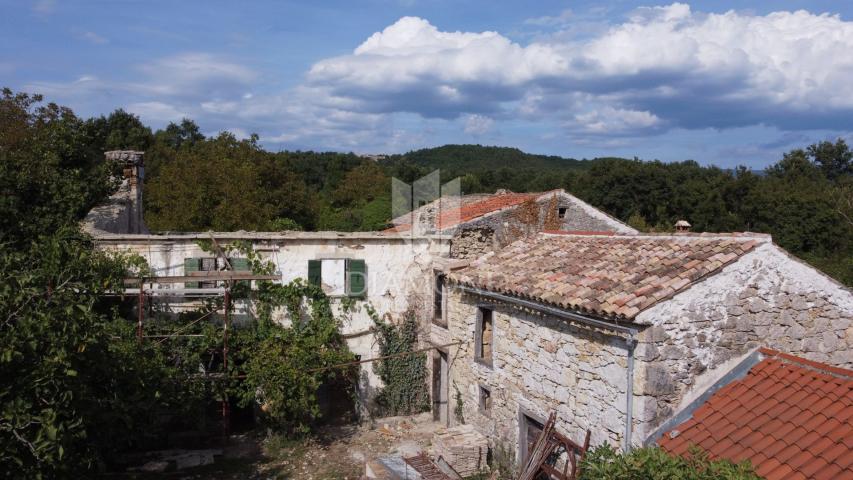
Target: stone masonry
{"x": 539, "y": 364}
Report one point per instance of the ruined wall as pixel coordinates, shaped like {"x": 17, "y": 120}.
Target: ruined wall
{"x": 473, "y": 242}
{"x": 767, "y": 299}
{"x": 498, "y": 229}
{"x": 399, "y": 272}
{"x": 540, "y": 364}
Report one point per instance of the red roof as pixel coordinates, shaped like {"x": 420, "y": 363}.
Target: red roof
{"x": 790, "y": 417}
{"x": 455, "y": 216}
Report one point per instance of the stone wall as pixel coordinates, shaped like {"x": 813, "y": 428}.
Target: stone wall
{"x": 540, "y": 364}
{"x": 495, "y": 230}
{"x": 581, "y": 216}
{"x": 472, "y": 242}
{"x": 766, "y": 299}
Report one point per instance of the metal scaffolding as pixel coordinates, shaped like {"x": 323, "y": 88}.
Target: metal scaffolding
{"x": 144, "y": 289}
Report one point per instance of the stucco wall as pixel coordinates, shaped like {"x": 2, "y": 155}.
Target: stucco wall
{"x": 398, "y": 274}
{"x": 767, "y": 298}
{"x": 540, "y": 364}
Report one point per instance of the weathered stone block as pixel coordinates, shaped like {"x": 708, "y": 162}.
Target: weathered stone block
{"x": 658, "y": 381}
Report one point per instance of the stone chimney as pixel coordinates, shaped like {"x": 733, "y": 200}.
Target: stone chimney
{"x": 682, "y": 226}
{"x": 122, "y": 212}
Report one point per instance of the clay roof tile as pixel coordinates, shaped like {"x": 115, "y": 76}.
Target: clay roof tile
{"x": 602, "y": 275}
{"x": 781, "y": 418}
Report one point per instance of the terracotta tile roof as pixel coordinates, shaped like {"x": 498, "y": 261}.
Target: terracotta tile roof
{"x": 609, "y": 276}
{"x": 790, "y": 417}
{"x": 466, "y": 212}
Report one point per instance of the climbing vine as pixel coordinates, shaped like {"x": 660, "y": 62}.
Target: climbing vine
{"x": 405, "y": 377}
{"x": 277, "y": 368}
{"x": 459, "y": 409}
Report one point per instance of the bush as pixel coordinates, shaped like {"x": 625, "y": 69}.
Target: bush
{"x": 606, "y": 463}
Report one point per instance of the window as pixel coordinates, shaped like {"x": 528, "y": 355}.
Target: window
{"x": 484, "y": 334}
{"x": 339, "y": 277}
{"x": 561, "y": 212}
{"x": 485, "y": 400}
{"x": 211, "y": 264}
{"x": 438, "y": 301}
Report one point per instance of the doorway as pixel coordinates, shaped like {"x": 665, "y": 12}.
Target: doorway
{"x": 529, "y": 430}
{"x": 440, "y": 384}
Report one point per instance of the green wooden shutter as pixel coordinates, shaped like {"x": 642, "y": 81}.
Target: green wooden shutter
{"x": 356, "y": 278}
{"x": 191, "y": 265}
{"x": 240, "y": 265}
{"x": 315, "y": 272}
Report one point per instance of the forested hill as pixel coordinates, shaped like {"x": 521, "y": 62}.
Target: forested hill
{"x": 471, "y": 158}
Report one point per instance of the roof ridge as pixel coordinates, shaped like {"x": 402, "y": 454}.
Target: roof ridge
{"x": 736, "y": 236}
{"x": 806, "y": 363}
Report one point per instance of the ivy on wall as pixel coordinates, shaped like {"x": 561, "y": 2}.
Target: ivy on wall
{"x": 405, "y": 377}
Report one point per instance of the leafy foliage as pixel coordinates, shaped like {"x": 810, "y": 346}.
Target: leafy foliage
{"x": 50, "y": 174}
{"x": 405, "y": 391}
{"x": 606, "y": 463}
{"x": 73, "y": 385}
{"x": 284, "y": 367}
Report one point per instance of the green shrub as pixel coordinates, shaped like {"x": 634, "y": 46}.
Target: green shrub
{"x": 651, "y": 463}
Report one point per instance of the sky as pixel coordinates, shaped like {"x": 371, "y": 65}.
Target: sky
{"x": 726, "y": 83}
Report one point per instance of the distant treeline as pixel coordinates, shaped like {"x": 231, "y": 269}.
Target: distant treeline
{"x": 194, "y": 183}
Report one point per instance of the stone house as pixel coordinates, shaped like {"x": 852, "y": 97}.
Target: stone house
{"x": 479, "y": 223}
{"x": 617, "y": 332}
{"x": 614, "y": 330}
{"x": 396, "y": 267}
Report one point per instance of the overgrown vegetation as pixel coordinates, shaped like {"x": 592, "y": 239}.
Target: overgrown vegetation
{"x": 405, "y": 390}
{"x": 76, "y": 386}
{"x": 606, "y": 463}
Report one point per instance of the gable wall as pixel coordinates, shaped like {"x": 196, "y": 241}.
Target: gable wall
{"x": 766, "y": 299}
{"x": 476, "y": 237}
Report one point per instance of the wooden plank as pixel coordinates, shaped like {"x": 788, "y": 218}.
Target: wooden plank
{"x": 207, "y": 276}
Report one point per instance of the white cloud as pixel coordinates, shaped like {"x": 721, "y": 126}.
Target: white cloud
{"x": 549, "y": 21}
{"x": 673, "y": 64}
{"x": 192, "y": 74}
{"x": 156, "y": 112}
{"x": 478, "y": 124}
{"x": 44, "y": 7}
{"x": 94, "y": 38}
{"x": 611, "y": 121}
{"x": 661, "y": 68}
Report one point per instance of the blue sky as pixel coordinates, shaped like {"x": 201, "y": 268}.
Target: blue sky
{"x": 713, "y": 81}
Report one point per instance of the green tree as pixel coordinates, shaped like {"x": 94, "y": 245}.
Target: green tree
{"x": 49, "y": 175}
{"x": 834, "y": 159}
{"x": 119, "y": 131}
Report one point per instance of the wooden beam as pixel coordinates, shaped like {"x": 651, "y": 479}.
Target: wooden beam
{"x": 203, "y": 276}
